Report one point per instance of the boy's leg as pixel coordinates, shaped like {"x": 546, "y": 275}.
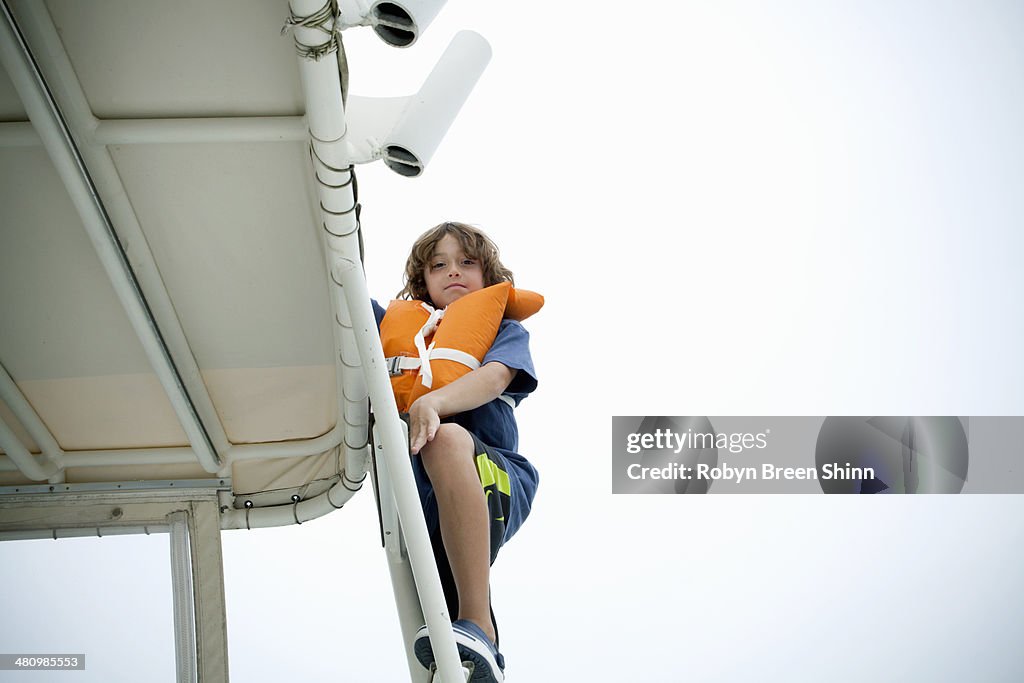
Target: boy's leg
{"x": 463, "y": 515}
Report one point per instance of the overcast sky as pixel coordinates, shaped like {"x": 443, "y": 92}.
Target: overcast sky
{"x": 732, "y": 208}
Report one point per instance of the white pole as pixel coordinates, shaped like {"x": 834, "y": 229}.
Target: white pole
{"x": 234, "y": 129}
{"x": 326, "y": 115}
{"x": 394, "y": 449}
{"x": 26, "y": 415}
{"x": 25, "y": 461}
{"x": 296, "y": 513}
{"x": 184, "y": 609}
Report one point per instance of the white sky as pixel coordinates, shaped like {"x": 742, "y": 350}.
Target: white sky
{"x": 762, "y": 208}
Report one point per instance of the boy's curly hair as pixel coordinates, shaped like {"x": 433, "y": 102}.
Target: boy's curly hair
{"x": 474, "y": 243}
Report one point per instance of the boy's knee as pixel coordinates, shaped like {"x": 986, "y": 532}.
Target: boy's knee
{"x": 450, "y": 443}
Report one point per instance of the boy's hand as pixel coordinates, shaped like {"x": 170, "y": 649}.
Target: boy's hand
{"x": 423, "y": 422}
{"x": 466, "y": 393}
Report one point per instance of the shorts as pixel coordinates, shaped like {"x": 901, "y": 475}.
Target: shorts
{"x": 509, "y": 483}
{"x": 496, "y": 478}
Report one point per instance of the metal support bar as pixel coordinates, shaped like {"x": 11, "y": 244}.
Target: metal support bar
{"x": 76, "y": 510}
{"x": 297, "y": 513}
{"x": 59, "y": 515}
{"x": 170, "y": 131}
{"x": 84, "y": 170}
{"x": 229, "y": 129}
{"x": 29, "y": 419}
{"x": 208, "y": 588}
{"x": 19, "y": 455}
{"x": 82, "y": 532}
{"x": 184, "y": 607}
{"x": 376, "y": 116}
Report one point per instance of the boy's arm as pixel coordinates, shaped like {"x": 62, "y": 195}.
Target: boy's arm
{"x": 472, "y": 390}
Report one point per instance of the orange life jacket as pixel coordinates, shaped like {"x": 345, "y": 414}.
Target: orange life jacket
{"x": 427, "y": 348}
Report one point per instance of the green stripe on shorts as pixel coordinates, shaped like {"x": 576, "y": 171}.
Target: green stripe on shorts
{"x": 491, "y": 474}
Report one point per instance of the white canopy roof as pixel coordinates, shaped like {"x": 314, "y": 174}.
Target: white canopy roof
{"x": 196, "y": 346}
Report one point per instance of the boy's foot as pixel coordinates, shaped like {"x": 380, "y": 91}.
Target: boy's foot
{"x": 475, "y": 649}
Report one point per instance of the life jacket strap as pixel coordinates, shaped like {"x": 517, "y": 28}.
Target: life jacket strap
{"x": 397, "y": 364}
{"x": 428, "y": 329}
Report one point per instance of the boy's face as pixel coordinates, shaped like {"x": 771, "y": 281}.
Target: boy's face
{"x": 450, "y": 273}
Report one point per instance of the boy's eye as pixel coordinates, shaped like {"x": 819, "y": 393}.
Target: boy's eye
{"x": 468, "y": 262}
{"x": 437, "y": 265}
